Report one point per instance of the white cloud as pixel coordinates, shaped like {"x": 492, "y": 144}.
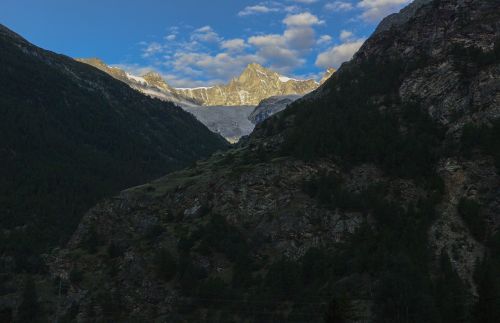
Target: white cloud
{"x": 203, "y": 57}
{"x": 339, "y": 6}
{"x": 301, "y": 39}
{"x": 324, "y": 39}
{"x": 181, "y": 82}
{"x": 236, "y": 44}
{"x": 374, "y": 10}
{"x": 284, "y": 52}
{"x": 346, "y": 35}
{"x": 152, "y": 49}
{"x": 220, "y": 66}
{"x": 305, "y": 1}
{"x": 257, "y": 9}
{"x": 205, "y": 34}
{"x": 170, "y": 37}
{"x": 291, "y": 9}
{"x": 336, "y": 55}
{"x": 302, "y": 19}
{"x": 274, "y": 50}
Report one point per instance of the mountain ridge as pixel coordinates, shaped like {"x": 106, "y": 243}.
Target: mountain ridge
{"x": 72, "y": 135}
{"x": 254, "y": 84}
{"x": 375, "y": 198}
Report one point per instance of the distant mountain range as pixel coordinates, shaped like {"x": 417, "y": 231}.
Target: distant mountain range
{"x": 254, "y": 84}
{"x": 151, "y": 83}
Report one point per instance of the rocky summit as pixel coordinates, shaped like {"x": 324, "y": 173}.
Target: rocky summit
{"x": 373, "y": 199}
{"x": 255, "y": 84}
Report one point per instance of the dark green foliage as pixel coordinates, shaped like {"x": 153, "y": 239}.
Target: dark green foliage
{"x": 219, "y": 236}
{"x": 75, "y": 275}
{"x": 353, "y": 129}
{"x": 451, "y": 299}
{"x": 190, "y": 274}
{"x": 283, "y": 280}
{"x": 92, "y": 240}
{"x": 394, "y": 255}
{"x": 338, "y": 311}
{"x": 211, "y": 291}
{"x": 464, "y": 57}
{"x": 328, "y": 190}
{"x": 6, "y": 314}
{"x": 72, "y": 135}
{"x": 398, "y": 253}
{"x": 185, "y": 244}
{"x": 154, "y": 232}
{"x": 29, "y": 310}
{"x": 72, "y": 312}
{"x": 115, "y": 250}
{"x": 484, "y": 138}
{"x": 402, "y": 296}
{"x": 166, "y": 265}
{"x": 471, "y": 213}
{"x": 111, "y": 304}
{"x": 487, "y": 277}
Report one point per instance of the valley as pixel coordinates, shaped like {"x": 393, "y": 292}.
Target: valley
{"x": 371, "y": 194}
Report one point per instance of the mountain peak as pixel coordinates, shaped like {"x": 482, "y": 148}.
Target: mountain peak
{"x": 255, "y": 66}
{"x": 100, "y": 64}
{"x": 154, "y": 77}
{"x": 329, "y": 72}
{"x": 94, "y": 61}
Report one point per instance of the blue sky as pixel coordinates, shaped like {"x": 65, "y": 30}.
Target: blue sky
{"x": 201, "y": 42}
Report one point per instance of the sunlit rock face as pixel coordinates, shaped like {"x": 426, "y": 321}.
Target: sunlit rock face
{"x": 255, "y": 84}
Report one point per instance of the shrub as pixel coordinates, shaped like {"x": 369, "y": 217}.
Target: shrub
{"x": 470, "y": 211}
{"x": 76, "y": 275}
{"x": 166, "y": 265}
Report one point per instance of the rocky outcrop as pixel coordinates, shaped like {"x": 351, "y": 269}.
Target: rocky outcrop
{"x": 271, "y": 106}
{"x": 397, "y": 19}
{"x": 329, "y": 72}
{"x": 275, "y": 104}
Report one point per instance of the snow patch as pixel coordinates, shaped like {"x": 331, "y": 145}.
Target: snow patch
{"x": 285, "y": 79}
{"x": 194, "y": 88}
{"x": 137, "y": 79}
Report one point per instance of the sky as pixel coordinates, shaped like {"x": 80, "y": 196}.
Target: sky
{"x": 201, "y": 42}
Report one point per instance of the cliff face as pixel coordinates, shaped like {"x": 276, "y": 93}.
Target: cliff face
{"x": 373, "y": 198}
{"x": 271, "y": 106}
